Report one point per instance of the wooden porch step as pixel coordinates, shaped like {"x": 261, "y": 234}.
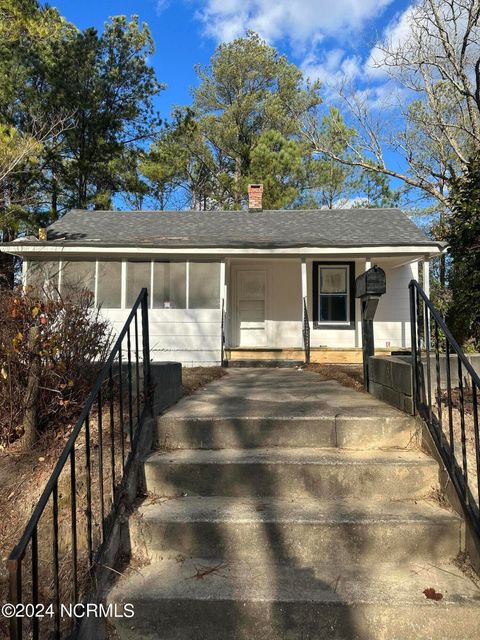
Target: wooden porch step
{"x": 241, "y": 363}
{"x": 319, "y": 355}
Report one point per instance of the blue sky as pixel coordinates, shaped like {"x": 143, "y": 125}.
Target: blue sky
{"x": 326, "y": 38}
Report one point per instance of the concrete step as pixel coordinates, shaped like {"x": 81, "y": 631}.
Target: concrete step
{"x": 294, "y": 473}
{"x": 356, "y": 531}
{"x": 207, "y": 599}
{"x": 230, "y": 432}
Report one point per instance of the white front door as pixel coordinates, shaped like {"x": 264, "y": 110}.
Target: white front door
{"x": 251, "y": 296}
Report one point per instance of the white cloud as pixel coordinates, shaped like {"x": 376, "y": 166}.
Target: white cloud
{"x": 300, "y": 21}
{"x": 161, "y": 6}
{"x": 396, "y": 34}
{"x": 333, "y": 67}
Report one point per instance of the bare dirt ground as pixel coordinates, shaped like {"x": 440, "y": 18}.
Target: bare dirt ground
{"x": 195, "y": 378}
{"x": 24, "y": 474}
{"x": 350, "y": 375}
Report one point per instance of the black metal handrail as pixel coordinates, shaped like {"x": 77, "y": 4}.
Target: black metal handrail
{"x": 222, "y": 336}
{"x": 452, "y": 414}
{"x": 25, "y": 588}
{"x": 306, "y": 332}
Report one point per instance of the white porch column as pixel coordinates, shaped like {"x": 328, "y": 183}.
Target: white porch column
{"x": 426, "y": 275}
{"x": 223, "y": 282}
{"x": 304, "y": 281}
{"x": 224, "y": 276}
{"x": 303, "y": 267}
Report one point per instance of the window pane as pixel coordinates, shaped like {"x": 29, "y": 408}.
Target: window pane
{"x": 169, "y": 285}
{"x": 138, "y": 277}
{"x": 77, "y": 276}
{"x": 109, "y": 286}
{"x": 42, "y": 276}
{"x": 204, "y": 285}
{"x": 333, "y": 279}
{"x": 333, "y": 308}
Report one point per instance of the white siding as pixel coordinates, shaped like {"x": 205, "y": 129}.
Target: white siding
{"x": 193, "y": 336}
{"x": 190, "y": 336}
{"x": 392, "y": 320}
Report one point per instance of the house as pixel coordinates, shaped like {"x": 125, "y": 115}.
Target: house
{"x": 251, "y": 272}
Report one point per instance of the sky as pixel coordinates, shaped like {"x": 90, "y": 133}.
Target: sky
{"x": 327, "y": 39}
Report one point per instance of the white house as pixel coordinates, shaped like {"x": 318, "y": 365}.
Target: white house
{"x": 258, "y": 266}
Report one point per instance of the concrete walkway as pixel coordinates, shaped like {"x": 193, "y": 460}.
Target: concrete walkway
{"x": 261, "y": 407}
{"x": 279, "y": 392}
{"x": 282, "y": 506}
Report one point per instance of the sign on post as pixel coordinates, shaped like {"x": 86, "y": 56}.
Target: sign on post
{"x": 369, "y": 286}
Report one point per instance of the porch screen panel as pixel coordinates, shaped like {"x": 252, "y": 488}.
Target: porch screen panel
{"x": 109, "y": 285}
{"x": 138, "y": 277}
{"x": 42, "y": 276}
{"x": 204, "y": 285}
{"x": 77, "y": 277}
{"x": 169, "y": 285}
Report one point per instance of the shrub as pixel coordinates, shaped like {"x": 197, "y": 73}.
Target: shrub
{"x": 463, "y": 236}
{"x": 60, "y": 343}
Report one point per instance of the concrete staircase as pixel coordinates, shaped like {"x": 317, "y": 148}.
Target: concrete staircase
{"x": 307, "y": 515}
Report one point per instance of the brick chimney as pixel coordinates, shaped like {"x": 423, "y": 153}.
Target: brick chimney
{"x": 255, "y": 196}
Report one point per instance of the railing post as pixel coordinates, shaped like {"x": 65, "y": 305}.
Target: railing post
{"x": 222, "y": 336}
{"x": 15, "y": 595}
{"x": 306, "y": 332}
{"x": 413, "y": 339}
{"x": 147, "y": 389}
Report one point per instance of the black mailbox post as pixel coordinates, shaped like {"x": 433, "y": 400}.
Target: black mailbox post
{"x": 369, "y": 286}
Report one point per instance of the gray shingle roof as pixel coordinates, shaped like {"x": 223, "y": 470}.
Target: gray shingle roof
{"x": 263, "y": 229}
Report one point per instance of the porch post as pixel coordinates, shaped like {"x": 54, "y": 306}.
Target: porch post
{"x": 304, "y": 330}
{"x": 426, "y": 275}
{"x": 223, "y": 306}
{"x": 304, "y": 281}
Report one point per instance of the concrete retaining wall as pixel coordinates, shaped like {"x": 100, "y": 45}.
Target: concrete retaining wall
{"x": 167, "y": 382}
{"x": 391, "y": 377}
{"x": 391, "y": 381}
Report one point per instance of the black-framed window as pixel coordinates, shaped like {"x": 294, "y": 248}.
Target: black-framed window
{"x": 333, "y": 295}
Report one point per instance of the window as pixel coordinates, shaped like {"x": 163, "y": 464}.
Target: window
{"x": 77, "y": 277}
{"x": 169, "y": 285}
{"x": 333, "y": 285}
{"x": 42, "y": 276}
{"x": 204, "y": 285}
{"x": 138, "y": 277}
{"x": 109, "y": 285}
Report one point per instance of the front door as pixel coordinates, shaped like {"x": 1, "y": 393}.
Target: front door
{"x": 251, "y": 295}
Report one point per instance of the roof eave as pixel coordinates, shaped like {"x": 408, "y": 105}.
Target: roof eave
{"x": 17, "y": 248}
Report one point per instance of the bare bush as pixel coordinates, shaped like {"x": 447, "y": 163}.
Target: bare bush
{"x": 57, "y": 343}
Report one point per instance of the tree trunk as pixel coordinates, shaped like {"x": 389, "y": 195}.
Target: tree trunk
{"x": 443, "y": 271}
{"x": 238, "y": 181}
{"x": 33, "y": 392}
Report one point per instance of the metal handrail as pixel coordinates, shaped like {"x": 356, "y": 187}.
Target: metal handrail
{"x": 306, "y": 332}
{"x": 95, "y": 398}
{"x": 222, "y": 336}
{"x": 427, "y": 326}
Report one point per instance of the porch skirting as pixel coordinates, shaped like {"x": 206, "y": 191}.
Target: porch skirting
{"x": 318, "y": 355}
